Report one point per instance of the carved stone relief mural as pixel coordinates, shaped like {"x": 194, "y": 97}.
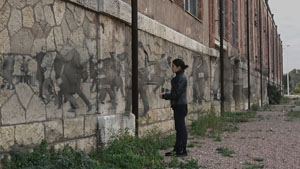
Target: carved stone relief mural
{"x": 200, "y": 78}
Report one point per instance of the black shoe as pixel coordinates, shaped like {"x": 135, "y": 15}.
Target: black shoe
{"x": 170, "y": 153}
{"x": 181, "y": 154}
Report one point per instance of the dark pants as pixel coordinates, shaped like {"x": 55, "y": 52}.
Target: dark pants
{"x": 180, "y": 111}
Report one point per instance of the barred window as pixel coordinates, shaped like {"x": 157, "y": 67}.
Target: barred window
{"x": 191, "y": 6}
{"x": 233, "y": 22}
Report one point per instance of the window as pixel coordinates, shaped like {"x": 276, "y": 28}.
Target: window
{"x": 233, "y": 22}
{"x": 191, "y": 6}
{"x": 225, "y": 19}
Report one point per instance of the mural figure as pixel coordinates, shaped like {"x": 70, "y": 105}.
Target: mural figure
{"x": 143, "y": 79}
{"x": 40, "y": 71}
{"x": 8, "y": 70}
{"x": 110, "y": 80}
{"x": 93, "y": 72}
{"x": 200, "y": 77}
{"x": 24, "y": 78}
{"x": 68, "y": 73}
{"x": 161, "y": 76}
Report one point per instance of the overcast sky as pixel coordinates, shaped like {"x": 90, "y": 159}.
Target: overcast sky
{"x": 286, "y": 16}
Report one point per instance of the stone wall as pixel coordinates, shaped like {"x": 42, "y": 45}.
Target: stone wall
{"x": 65, "y": 68}
{"x": 37, "y": 37}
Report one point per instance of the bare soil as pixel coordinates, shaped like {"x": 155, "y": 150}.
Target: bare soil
{"x": 271, "y": 140}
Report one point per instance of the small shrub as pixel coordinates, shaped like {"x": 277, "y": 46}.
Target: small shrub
{"x": 274, "y": 94}
{"x": 258, "y": 159}
{"x": 225, "y": 152}
{"x": 293, "y": 114}
{"x": 254, "y": 107}
{"x": 216, "y": 125}
{"x": 124, "y": 152}
{"x": 43, "y": 157}
{"x": 218, "y": 138}
{"x": 252, "y": 166}
{"x": 187, "y": 164}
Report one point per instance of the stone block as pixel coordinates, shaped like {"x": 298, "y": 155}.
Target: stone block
{"x": 22, "y": 41}
{"x": 52, "y": 112}
{"x": 91, "y": 46}
{"x": 4, "y": 16}
{"x": 49, "y": 15}
{"x": 113, "y": 125}
{"x": 32, "y": 2}
{"x": 39, "y": 12}
{"x": 12, "y": 112}
{"x": 87, "y": 144}
{"x": 7, "y": 138}
{"x": 28, "y": 17}
{"x": 79, "y": 15}
{"x": 38, "y": 45}
{"x": 91, "y": 4}
{"x": 92, "y": 16}
{"x": 77, "y": 37}
{"x": 50, "y": 41}
{"x": 73, "y": 127}
{"x": 159, "y": 115}
{"x": 36, "y": 110}
{"x": 47, "y": 2}
{"x": 29, "y": 134}
{"x": 4, "y": 41}
{"x": 54, "y": 131}
{"x": 2, "y": 3}
{"x": 164, "y": 127}
{"x": 58, "y": 36}
{"x": 69, "y": 16}
{"x": 24, "y": 94}
{"x": 17, "y": 3}
{"x": 15, "y": 21}
{"x": 5, "y": 95}
{"x": 60, "y": 146}
{"x": 59, "y": 8}
{"x": 41, "y": 30}
{"x": 90, "y": 125}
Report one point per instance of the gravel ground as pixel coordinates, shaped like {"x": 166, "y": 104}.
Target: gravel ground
{"x": 271, "y": 141}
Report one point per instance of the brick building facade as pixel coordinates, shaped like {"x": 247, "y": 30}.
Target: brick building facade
{"x": 94, "y": 36}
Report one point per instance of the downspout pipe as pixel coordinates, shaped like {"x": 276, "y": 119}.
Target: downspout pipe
{"x": 260, "y": 52}
{"x": 248, "y": 56}
{"x": 273, "y": 49}
{"x": 268, "y": 44}
{"x": 134, "y": 47}
{"x": 221, "y": 53}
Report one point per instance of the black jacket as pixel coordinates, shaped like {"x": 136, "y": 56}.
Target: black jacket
{"x": 178, "y": 90}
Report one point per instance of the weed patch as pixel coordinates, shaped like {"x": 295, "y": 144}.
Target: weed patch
{"x": 210, "y": 125}
{"x": 187, "y": 164}
{"x": 293, "y": 114}
{"x": 124, "y": 152}
{"x": 225, "y": 152}
{"x": 252, "y": 166}
{"x": 258, "y": 159}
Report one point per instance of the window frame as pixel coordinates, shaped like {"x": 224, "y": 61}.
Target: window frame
{"x": 187, "y": 3}
{"x": 233, "y": 21}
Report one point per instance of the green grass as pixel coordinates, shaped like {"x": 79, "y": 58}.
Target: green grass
{"x": 218, "y": 138}
{"x": 252, "y": 166}
{"x": 258, "y": 159}
{"x": 124, "y": 152}
{"x": 254, "y": 107}
{"x": 225, "y": 152}
{"x": 293, "y": 114}
{"x": 216, "y": 125}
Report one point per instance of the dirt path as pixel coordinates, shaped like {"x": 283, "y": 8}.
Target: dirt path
{"x": 272, "y": 140}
